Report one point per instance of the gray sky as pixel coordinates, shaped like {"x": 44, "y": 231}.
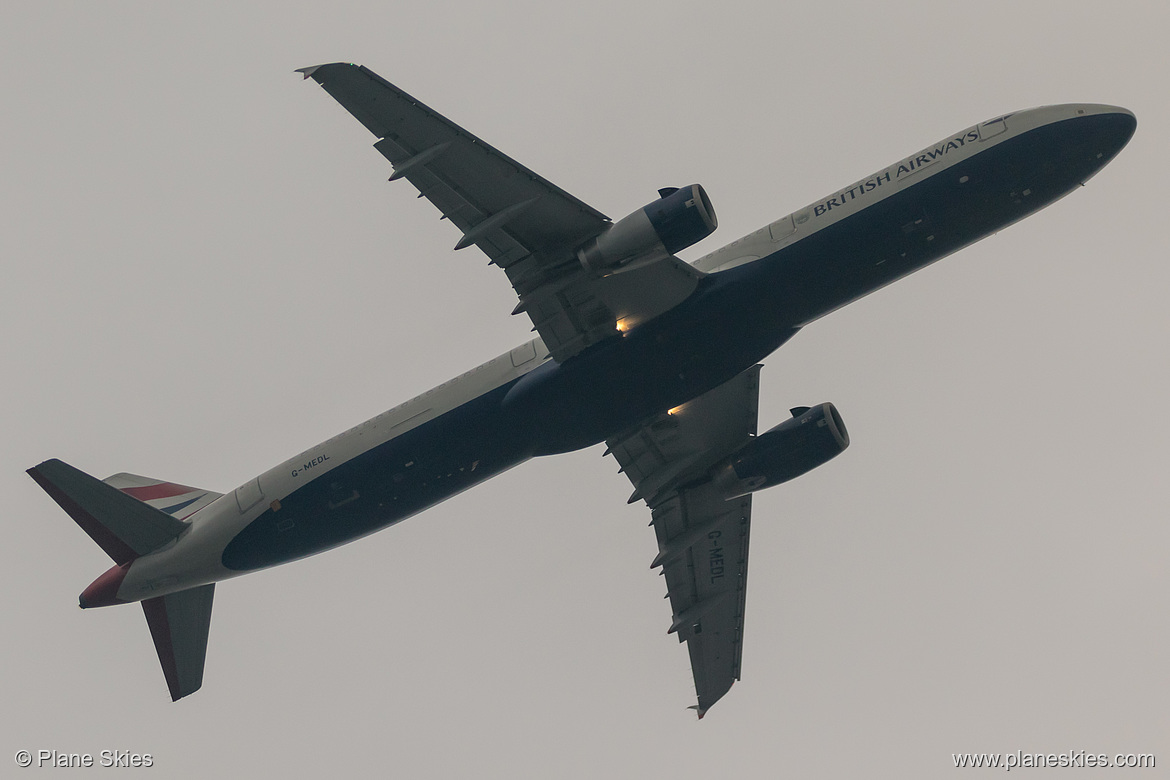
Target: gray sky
{"x": 206, "y": 272}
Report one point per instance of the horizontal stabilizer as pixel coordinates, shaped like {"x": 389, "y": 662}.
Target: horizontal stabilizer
{"x": 179, "y": 624}
{"x": 125, "y": 527}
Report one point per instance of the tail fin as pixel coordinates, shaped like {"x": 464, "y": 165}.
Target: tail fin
{"x": 115, "y": 513}
{"x": 179, "y": 624}
{"x": 178, "y": 501}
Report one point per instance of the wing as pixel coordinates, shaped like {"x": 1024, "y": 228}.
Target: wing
{"x": 702, "y": 539}
{"x": 525, "y": 224}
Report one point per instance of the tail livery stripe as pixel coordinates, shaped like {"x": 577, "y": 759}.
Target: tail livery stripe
{"x": 161, "y": 490}
{"x": 171, "y": 510}
{"x": 179, "y": 501}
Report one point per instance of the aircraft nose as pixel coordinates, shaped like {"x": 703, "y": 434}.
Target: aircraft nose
{"x": 1128, "y": 123}
{"x": 1114, "y": 123}
{"x": 1103, "y": 131}
{"x": 1124, "y": 121}
{"x": 103, "y": 592}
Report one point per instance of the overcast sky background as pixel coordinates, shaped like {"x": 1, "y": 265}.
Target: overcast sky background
{"x": 205, "y": 272}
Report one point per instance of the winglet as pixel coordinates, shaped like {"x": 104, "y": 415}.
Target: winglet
{"x": 307, "y": 71}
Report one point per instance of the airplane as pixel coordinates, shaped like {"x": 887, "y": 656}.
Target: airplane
{"x": 655, "y": 357}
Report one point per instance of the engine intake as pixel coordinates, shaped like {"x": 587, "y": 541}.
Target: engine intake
{"x": 676, "y": 220}
{"x": 796, "y": 446}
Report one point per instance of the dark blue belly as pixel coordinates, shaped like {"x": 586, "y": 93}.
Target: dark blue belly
{"x": 733, "y": 320}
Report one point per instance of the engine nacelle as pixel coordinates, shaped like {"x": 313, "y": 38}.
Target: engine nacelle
{"x": 678, "y": 219}
{"x": 796, "y": 446}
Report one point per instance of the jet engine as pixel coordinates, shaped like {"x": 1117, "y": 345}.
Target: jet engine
{"x": 679, "y": 218}
{"x": 796, "y": 446}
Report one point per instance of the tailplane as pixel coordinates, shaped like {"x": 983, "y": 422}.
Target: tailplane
{"x": 121, "y": 524}
{"x": 179, "y": 624}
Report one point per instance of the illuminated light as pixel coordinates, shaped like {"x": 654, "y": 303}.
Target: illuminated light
{"x": 675, "y": 410}
{"x": 626, "y": 324}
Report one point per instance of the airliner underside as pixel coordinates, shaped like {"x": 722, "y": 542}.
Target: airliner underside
{"x": 655, "y": 357}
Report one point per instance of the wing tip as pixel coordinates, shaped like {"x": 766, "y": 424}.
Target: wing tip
{"x": 39, "y": 468}
{"x": 181, "y": 694}
{"x": 309, "y": 71}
